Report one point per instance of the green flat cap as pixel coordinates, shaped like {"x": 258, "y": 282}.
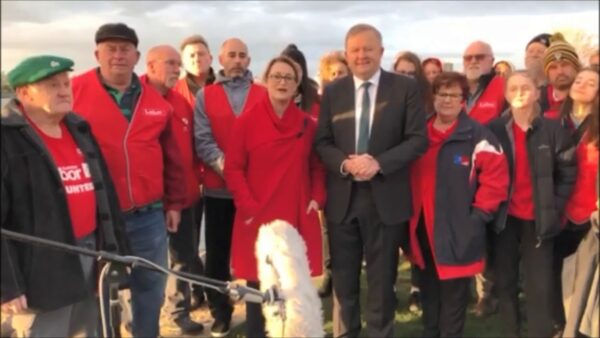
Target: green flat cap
{"x": 36, "y": 68}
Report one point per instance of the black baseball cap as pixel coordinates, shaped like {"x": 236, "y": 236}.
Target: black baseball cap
{"x": 116, "y": 31}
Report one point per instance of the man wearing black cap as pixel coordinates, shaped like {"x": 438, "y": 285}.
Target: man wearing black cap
{"x": 135, "y": 128}
{"x": 534, "y": 57}
{"x": 55, "y": 186}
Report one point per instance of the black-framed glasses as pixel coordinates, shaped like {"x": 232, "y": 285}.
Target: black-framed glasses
{"x": 478, "y": 57}
{"x": 279, "y": 77}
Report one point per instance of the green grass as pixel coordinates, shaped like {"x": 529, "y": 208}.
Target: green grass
{"x": 407, "y": 324}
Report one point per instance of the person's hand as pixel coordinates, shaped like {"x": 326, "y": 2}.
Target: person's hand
{"x": 15, "y": 306}
{"x": 365, "y": 167}
{"x": 312, "y": 206}
{"x": 172, "y": 219}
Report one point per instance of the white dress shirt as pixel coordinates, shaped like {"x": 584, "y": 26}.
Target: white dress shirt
{"x": 358, "y": 96}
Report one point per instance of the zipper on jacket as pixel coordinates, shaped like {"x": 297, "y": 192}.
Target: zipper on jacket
{"x": 127, "y": 165}
{"x": 511, "y": 187}
{"x": 533, "y": 169}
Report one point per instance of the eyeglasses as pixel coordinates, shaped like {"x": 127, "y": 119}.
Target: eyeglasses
{"x": 286, "y": 78}
{"x": 443, "y": 96}
{"x": 478, "y": 57}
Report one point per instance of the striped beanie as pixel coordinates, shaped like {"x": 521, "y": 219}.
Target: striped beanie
{"x": 559, "y": 50}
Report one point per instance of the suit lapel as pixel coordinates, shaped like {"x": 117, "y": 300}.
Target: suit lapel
{"x": 347, "y": 114}
{"x": 383, "y": 98}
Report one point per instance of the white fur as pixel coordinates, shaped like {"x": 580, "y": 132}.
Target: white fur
{"x": 282, "y": 262}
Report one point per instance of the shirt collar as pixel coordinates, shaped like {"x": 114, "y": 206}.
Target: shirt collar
{"x": 133, "y": 86}
{"x": 374, "y": 80}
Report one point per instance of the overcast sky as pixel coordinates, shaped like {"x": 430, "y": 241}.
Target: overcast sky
{"x": 442, "y": 28}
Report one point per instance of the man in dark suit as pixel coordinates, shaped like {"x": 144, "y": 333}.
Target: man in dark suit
{"x": 371, "y": 127}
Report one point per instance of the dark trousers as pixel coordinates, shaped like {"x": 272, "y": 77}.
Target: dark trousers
{"x": 565, "y": 244}
{"x": 326, "y": 255}
{"x": 363, "y": 232}
{"x": 219, "y": 216}
{"x": 518, "y": 242}
{"x": 444, "y": 302}
{"x": 183, "y": 251}
{"x": 255, "y": 321}
{"x": 415, "y": 276}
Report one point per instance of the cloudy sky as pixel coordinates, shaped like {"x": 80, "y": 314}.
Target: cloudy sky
{"x": 434, "y": 28}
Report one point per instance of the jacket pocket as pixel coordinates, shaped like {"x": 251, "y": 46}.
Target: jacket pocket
{"x": 469, "y": 241}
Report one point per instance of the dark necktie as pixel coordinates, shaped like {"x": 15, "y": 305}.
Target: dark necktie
{"x": 363, "y": 128}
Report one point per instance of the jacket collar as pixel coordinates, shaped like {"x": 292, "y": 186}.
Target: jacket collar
{"x": 464, "y": 126}
{"x": 12, "y": 116}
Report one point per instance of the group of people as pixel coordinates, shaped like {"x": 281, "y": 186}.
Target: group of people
{"x": 470, "y": 176}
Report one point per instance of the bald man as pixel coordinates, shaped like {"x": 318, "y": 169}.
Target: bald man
{"x": 217, "y": 106}
{"x": 486, "y": 90}
{"x": 163, "y": 65}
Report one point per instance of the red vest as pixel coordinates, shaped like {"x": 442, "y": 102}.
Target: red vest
{"x": 184, "y": 135}
{"x": 132, "y": 149}
{"x": 490, "y": 103}
{"x": 182, "y": 88}
{"x": 221, "y": 117}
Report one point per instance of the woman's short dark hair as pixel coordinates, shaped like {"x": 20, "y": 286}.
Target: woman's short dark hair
{"x": 448, "y": 79}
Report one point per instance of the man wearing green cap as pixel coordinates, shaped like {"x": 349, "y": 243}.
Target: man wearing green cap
{"x": 55, "y": 185}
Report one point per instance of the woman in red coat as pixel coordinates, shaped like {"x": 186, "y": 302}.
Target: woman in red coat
{"x": 273, "y": 174}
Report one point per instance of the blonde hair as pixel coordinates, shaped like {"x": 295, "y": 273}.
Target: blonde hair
{"x": 524, "y": 73}
{"x": 193, "y": 40}
{"x": 326, "y": 61}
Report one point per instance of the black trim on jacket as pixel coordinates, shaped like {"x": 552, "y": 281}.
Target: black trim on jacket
{"x": 34, "y": 202}
{"x": 459, "y": 229}
{"x": 553, "y": 166}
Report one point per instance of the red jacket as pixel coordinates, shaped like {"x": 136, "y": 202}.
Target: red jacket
{"x": 142, "y": 155}
{"x": 490, "y": 103}
{"x": 583, "y": 199}
{"x": 273, "y": 173}
{"x": 222, "y": 117}
{"x": 314, "y": 111}
{"x": 184, "y": 126}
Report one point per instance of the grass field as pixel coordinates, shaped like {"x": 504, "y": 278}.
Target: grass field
{"x": 407, "y": 323}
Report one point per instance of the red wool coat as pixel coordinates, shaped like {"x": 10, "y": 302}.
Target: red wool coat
{"x": 272, "y": 172}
